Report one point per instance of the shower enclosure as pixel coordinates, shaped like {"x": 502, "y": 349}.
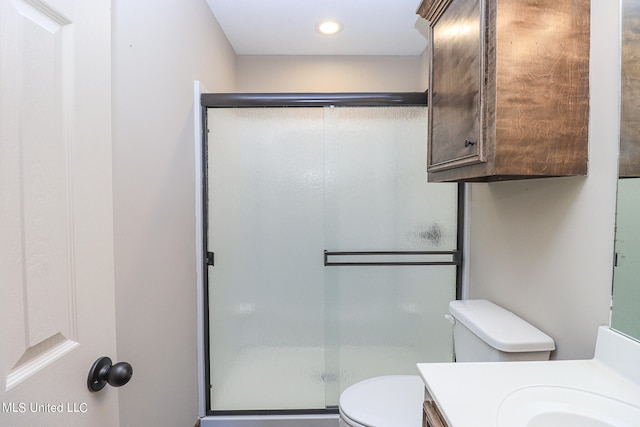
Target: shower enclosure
{"x": 330, "y": 258}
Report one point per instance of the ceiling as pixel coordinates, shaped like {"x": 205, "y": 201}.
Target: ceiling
{"x": 287, "y": 27}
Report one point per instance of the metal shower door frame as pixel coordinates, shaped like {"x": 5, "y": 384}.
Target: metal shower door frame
{"x": 257, "y": 100}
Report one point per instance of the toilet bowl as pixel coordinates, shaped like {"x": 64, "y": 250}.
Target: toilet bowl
{"x": 483, "y": 332}
{"x": 383, "y": 401}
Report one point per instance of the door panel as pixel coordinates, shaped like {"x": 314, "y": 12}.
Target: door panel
{"x": 40, "y": 284}
{"x": 56, "y": 254}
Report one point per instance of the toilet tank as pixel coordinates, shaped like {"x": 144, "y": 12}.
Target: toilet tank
{"x": 486, "y": 332}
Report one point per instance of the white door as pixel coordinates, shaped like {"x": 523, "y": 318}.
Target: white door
{"x": 56, "y": 246}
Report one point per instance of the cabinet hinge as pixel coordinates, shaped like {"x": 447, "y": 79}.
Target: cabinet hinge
{"x": 210, "y": 258}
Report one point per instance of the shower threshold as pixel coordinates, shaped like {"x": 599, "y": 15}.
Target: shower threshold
{"x": 322, "y": 420}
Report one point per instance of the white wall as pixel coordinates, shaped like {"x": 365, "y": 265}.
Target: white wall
{"x": 329, "y": 73}
{"x": 159, "y": 49}
{"x": 424, "y": 70}
{"x": 544, "y": 248}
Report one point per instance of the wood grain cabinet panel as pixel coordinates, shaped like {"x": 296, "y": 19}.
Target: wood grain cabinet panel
{"x": 431, "y": 416}
{"x": 509, "y": 89}
{"x": 630, "y": 117}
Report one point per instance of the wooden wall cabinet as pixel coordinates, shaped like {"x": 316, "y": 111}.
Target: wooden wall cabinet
{"x": 630, "y": 117}
{"x": 509, "y": 89}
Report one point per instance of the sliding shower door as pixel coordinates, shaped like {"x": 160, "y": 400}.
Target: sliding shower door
{"x": 266, "y": 230}
{"x": 383, "y": 313}
{"x": 333, "y": 259}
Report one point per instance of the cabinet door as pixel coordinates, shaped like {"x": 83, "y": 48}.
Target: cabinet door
{"x": 455, "y": 89}
{"x": 630, "y": 117}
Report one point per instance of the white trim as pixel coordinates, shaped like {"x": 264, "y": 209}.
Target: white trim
{"x": 197, "y": 123}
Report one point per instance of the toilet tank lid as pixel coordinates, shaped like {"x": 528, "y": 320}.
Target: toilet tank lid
{"x": 500, "y": 328}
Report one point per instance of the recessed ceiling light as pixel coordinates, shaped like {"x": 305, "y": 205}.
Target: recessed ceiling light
{"x": 329, "y": 28}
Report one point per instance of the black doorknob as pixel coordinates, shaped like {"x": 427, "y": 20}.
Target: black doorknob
{"x": 103, "y": 372}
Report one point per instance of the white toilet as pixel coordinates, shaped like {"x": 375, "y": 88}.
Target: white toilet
{"x": 482, "y": 332}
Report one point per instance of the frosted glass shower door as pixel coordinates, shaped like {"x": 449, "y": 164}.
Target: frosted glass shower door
{"x": 287, "y": 189}
{"x": 266, "y": 229}
{"x": 383, "y": 319}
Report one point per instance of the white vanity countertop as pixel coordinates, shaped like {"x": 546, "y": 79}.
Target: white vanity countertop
{"x": 470, "y": 394}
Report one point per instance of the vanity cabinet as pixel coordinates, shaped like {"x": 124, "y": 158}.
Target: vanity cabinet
{"x": 508, "y": 88}
{"x": 432, "y": 416}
